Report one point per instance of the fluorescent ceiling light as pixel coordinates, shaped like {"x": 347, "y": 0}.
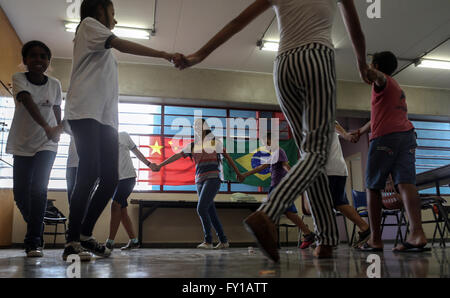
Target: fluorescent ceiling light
{"x": 437, "y": 64}
{"x": 271, "y": 46}
{"x": 126, "y": 32}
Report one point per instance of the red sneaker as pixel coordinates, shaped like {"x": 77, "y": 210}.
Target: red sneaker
{"x": 308, "y": 240}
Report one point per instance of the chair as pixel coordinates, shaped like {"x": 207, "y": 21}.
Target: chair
{"x": 53, "y": 217}
{"x": 360, "y": 204}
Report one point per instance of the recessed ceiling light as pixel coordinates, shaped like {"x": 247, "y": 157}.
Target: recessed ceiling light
{"x": 126, "y": 32}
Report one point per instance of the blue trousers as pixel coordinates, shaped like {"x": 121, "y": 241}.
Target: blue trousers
{"x": 31, "y": 175}
{"x": 206, "y": 209}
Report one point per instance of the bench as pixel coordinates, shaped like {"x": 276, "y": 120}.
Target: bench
{"x": 147, "y": 207}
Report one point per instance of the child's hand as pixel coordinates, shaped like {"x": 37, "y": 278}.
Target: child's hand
{"x": 355, "y": 136}
{"x": 53, "y": 133}
{"x": 155, "y": 167}
{"x": 189, "y": 61}
{"x": 241, "y": 177}
{"x": 363, "y": 72}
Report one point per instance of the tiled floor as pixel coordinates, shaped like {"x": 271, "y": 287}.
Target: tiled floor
{"x": 231, "y": 263}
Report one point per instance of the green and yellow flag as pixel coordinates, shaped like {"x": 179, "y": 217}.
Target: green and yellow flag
{"x": 249, "y": 160}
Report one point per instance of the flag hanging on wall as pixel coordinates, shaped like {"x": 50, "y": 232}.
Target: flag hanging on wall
{"x": 250, "y": 160}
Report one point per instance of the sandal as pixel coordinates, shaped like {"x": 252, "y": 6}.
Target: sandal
{"x": 408, "y": 247}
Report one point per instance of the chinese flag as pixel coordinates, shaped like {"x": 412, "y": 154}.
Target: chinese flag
{"x": 180, "y": 172}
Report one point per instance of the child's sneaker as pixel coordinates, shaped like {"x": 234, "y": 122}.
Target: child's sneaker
{"x": 109, "y": 245}
{"x": 308, "y": 240}
{"x": 205, "y": 245}
{"x": 34, "y": 252}
{"x": 96, "y": 248}
{"x": 130, "y": 245}
{"x": 75, "y": 248}
{"x": 222, "y": 245}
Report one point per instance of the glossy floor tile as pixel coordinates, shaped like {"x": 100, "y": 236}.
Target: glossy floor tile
{"x": 230, "y": 263}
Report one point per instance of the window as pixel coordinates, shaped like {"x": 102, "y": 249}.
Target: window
{"x": 153, "y": 128}
{"x": 433, "y": 151}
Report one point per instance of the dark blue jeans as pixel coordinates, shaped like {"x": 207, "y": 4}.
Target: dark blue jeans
{"x": 206, "y": 209}
{"x": 31, "y": 175}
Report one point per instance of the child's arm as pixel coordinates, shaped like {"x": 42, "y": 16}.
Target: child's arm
{"x": 357, "y": 134}
{"x": 233, "y": 165}
{"x": 57, "y": 112}
{"x": 351, "y": 20}
{"x": 51, "y": 132}
{"x": 129, "y": 47}
{"x": 376, "y": 77}
{"x": 171, "y": 159}
{"x": 254, "y": 171}
{"x": 286, "y": 166}
{"x": 342, "y": 132}
{"x": 142, "y": 158}
{"x": 233, "y": 27}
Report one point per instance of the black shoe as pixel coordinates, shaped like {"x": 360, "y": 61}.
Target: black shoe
{"x": 96, "y": 248}
{"x": 362, "y": 238}
{"x": 130, "y": 245}
{"x": 75, "y": 248}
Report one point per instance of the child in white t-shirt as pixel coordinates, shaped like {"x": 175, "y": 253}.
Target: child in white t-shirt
{"x": 92, "y": 113}
{"x": 127, "y": 181}
{"x": 33, "y": 139}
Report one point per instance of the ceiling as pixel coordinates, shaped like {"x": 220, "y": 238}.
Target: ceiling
{"x": 409, "y": 28}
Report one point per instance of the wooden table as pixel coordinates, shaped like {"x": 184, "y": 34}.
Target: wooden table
{"x": 151, "y": 206}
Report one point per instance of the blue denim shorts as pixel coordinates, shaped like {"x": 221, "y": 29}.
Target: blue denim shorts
{"x": 291, "y": 208}
{"x": 394, "y": 154}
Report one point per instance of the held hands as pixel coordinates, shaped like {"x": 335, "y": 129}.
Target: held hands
{"x": 54, "y": 133}
{"x": 364, "y": 73}
{"x": 354, "y": 136}
{"x": 154, "y": 167}
{"x": 241, "y": 177}
{"x": 181, "y": 62}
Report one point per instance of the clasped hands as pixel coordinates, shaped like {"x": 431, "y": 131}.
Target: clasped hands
{"x": 181, "y": 61}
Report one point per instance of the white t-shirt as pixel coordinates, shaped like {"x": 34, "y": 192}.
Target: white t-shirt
{"x": 126, "y": 168}
{"x": 26, "y": 137}
{"x": 72, "y": 160}
{"x": 336, "y": 165}
{"x": 302, "y": 22}
{"x": 93, "y": 91}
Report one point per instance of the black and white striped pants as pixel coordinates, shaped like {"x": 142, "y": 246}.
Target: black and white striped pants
{"x": 305, "y": 83}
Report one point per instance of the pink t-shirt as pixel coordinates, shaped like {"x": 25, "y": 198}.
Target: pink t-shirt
{"x": 389, "y": 110}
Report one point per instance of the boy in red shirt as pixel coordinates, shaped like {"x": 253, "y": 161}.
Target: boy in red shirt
{"x": 391, "y": 151}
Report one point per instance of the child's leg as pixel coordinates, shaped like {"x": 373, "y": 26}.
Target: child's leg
{"x": 23, "y": 170}
{"x": 87, "y": 139}
{"x": 404, "y": 175}
{"x": 109, "y": 177}
{"x": 213, "y": 184}
{"x": 206, "y": 193}
{"x": 374, "y": 204}
{"x": 351, "y": 213}
{"x": 298, "y": 221}
{"x": 43, "y": 163}
{"x": 126, "y": 221}
{"x": 307, "y": 99}
{"x": 71, "y": 175}
{"x": 119, "y": 203}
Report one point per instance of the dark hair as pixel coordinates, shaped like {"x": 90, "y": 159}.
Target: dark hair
{"x": 35, "y": 43}
{"x": 386, "y": 62}
{"x": 89, "y": 9}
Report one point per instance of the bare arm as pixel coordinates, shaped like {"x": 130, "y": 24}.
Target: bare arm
{"x": 286, "y": 166}
{"x": 351, "y": 21}
{"x": 171, "y": 159}
{"x": 365, "y": 128}
{"x": 51, "y": 132}
{"x": 57, "y": 112}
{"x": 342, "y": 132}
{"x": 256, "y": 170}
{"x": 129, "y": 47}
{"x": 376, "y": 77}
{"x": 141, "y": 156}
{"x": 231, "y": 163}
{"x": 233, "y": 27}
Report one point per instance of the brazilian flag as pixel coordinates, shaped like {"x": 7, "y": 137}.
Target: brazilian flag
{"x": 249, "y": 160}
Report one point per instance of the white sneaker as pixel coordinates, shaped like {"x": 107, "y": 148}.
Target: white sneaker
{"x": 222, "y": 245}
{"x": 205, "y": 245}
